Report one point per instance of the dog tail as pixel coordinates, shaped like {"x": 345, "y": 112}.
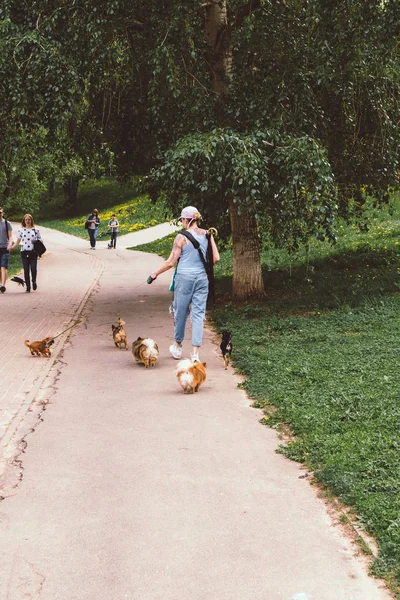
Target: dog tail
{"x": 26, "y": 342}
{"x": 151, "y": 352}
{"x": 182, "y": 366}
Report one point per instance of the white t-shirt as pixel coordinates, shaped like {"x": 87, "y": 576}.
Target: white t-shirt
{"x": 28, "y": 236}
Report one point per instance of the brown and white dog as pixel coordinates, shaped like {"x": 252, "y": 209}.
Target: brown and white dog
{"x": 119, "y": 335}
{"x": 145, "y": 351}
{"x": 41, "y": 347}
{"x": 191, "y": 375}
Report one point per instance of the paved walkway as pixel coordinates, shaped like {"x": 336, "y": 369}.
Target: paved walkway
{"x": 117, "y": 485}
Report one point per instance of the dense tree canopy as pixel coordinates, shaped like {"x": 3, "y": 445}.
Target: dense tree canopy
{"x": 268, "y": 113}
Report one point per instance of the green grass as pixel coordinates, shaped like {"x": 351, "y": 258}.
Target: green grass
{"x": 134, "y": 211}
{"x": 320, "y": 356}
{"x": 14, "y": 264}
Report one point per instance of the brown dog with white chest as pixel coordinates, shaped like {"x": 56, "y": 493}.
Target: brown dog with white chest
{"x": 41, "y": 347}
{"x": 145, "y": 351}
{"x": 191, "y": 375}
{"x": 119, "y": 335}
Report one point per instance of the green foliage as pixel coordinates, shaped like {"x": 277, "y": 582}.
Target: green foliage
{"x": 330, "y": 71}
{"x": 285, "y": 181}
{"x": 45, "y": 123}
{"x": 102, "y": 193}
{"x": 135, "y": 78}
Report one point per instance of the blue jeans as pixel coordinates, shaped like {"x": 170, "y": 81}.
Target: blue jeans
{"x": 190, "y": 289}
{"x": 93, "y": 236}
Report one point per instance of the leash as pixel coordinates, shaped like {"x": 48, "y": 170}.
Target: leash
{"x": 58, "y": 334}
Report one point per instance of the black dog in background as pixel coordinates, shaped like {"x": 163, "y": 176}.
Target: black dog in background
{"x": 226, "y": 347}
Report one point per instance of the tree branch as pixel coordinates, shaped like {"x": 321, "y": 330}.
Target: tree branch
{"x": 248, "y": 8}
{"x": 245, "y": 11}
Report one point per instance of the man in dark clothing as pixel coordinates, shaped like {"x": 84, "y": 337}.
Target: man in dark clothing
{"x": 5, "y": 241}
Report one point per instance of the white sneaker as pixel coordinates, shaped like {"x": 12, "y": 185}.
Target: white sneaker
{"x": 176, "y": 351}
{"x": 194, "y": 358}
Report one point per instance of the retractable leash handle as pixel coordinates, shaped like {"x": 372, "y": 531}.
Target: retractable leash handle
{"x": 150, "y": 279}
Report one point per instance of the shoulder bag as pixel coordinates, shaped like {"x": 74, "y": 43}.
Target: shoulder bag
{"x": 38, "y": 246}
{"x": 208, "y": 265}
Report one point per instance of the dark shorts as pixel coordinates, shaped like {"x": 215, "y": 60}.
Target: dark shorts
{"x": 4, "y": 256}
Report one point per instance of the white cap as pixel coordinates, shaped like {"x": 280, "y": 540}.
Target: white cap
{"x": 189, "y": 212}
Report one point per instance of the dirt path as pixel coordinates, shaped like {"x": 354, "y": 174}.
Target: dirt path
{"x": 118, "y": 486}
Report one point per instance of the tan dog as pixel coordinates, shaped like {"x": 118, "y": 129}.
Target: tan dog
{"x": 40, "y": 348}
{"x": 145, "y": 351}
{"x": 119, "y": 334}
{"x": 191, "y": 375}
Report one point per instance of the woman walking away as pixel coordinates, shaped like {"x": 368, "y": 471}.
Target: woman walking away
{"x": 113, "y": 227}
{"x": 191, "y": 281}
{"x": 27, "y": 236}
{"x": 93, "y": 227}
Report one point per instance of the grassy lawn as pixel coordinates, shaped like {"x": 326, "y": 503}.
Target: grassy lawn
{"x": 132, "y": 216}
{"x": 320, "y": 358}
{"x": 134, "y": 211}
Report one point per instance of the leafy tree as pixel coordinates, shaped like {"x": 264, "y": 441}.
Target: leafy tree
{"x": 304, "y": 76}
{"x": 45, "y": 127}
{"x": 321, "y": 75}
{"x": 229, "y": 175}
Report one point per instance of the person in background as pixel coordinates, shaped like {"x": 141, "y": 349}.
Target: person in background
{"x": 93, "y": 227}
{"x": 113, "y": 226}
{"x": 191, "y": 282}
{"x": 27, "y": 235}
{"x": 5, "y": 242}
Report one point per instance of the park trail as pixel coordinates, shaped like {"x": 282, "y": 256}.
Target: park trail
{"x": 116, "y": 485}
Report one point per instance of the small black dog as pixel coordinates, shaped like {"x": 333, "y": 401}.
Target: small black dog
{"x": 18, "y": 280}
{"x": 226, "y": 347}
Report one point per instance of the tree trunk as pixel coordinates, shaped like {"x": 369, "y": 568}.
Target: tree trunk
{"x": 71, "y": 195}
{"x": 217, "y": 38}
{"x": 51, "y": 188}
{"x": 247, "y": 281}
